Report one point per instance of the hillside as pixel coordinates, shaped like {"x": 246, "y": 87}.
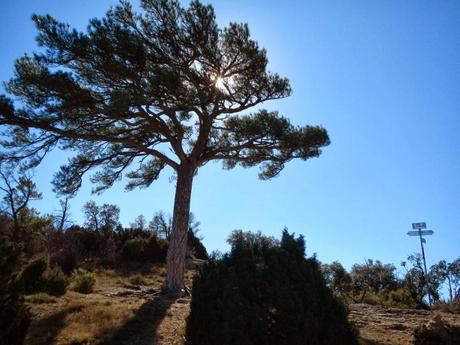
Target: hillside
{"x": 126, "y": 308}
{"x": 379, "y": 325}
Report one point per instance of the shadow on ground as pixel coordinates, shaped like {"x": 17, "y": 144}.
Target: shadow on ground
{"x": 52, "y": 325}
{"x": 141, "y": 329}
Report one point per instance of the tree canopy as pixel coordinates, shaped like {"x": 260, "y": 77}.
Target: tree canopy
{"x": 138, "y": 92}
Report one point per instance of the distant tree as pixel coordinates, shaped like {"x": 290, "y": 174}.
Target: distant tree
{"x": 417, "y": 283}
{"x": 91, "y": 211}
{"x": 161, "y": 225}
{"x": 139, "y": 223}
{"x": 161, "y": 88}
{"x": 337, "y": 278}
{"x": 450, "y": 273}
{"x": 62, "y": 218}
{"x": 18, "y": 192}
{"x": 109, "y": 217}
{"x": 105, "y": 217}
{"x": 373, "y": 276}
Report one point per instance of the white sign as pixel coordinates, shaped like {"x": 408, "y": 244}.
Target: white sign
{"x": 419, "y": 225}
{"x": 423, "y": 232}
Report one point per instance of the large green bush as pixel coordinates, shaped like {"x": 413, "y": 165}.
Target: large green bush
{"x": 265, "y": 292}
{"x": 14, "y": 316}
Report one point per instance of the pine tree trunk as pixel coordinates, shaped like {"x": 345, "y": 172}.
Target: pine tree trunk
{"x": 175, "y": 260}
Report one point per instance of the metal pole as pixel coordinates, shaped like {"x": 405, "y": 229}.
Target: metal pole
{"x": 424, "y": 263}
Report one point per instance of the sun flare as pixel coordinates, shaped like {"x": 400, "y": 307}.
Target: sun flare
{"x": 219, "y": 83}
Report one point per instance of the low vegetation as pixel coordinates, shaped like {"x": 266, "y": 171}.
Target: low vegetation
{"x": 83, "y": 281}
{"x": 437, "y": 332}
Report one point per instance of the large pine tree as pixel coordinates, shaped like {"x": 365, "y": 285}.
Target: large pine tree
{"x": 161, "y": 88}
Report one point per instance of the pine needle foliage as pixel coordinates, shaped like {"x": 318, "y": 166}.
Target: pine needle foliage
{"x": 265, "y": 292}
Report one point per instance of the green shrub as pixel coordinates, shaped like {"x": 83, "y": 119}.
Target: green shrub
{"x": 401, "y": 298}
{"x": 437, "y": 332}
{"x": 265, "y": 292}
{"x": 134, "y": 249}
{"x": 55, "y": 281}
{"x": 83, "y": 280}
{"x": 32, "y": 275}
{"x": 14, "y": 316}
{"x": 145, "y": 249}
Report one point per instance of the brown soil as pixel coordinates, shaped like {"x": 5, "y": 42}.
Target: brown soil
{"x": 379, "y": 325}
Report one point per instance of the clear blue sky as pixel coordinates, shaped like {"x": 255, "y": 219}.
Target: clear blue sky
{"x": 382, "y": 76}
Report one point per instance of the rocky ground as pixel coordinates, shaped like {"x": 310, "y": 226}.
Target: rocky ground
{"x": 380, "y": 325}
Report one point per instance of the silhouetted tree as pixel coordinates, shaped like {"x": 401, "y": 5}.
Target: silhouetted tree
{"x": 447, "y": 272}
{"x": 161, "y": 88}
{"x": 109, "y": 217}
{"x": 105, "y": 217}
{"x": 161, "y": 225}
{"x": 62, "y": 219}
{"x": 18, "y": 192}
{"x": 91, "y": 211}
{"x": 139, "y": 223}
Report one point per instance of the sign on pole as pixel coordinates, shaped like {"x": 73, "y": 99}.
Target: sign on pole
{"x": 421, "y": 232}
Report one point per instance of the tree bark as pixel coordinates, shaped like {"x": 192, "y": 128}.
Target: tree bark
{"x": 175, "y": 260}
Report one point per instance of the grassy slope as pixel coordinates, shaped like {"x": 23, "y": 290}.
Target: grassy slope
{"x": 134, "y": 319}
{"x": 97, "y": 318}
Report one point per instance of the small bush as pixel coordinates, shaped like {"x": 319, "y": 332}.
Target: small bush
{"x": 55, "y": 281}
{"x": 137, "y": 280}
{"x": 437, "y": 332}
{"x": 265, "y": 292}
{"x": 32, "y": 275}
{"x": 83, "y": 280}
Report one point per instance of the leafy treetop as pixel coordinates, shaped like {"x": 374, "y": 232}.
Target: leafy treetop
{"x": 165, "y": 87}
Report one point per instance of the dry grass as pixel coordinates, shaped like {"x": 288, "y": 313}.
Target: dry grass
{"x": 96, "y": 318}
